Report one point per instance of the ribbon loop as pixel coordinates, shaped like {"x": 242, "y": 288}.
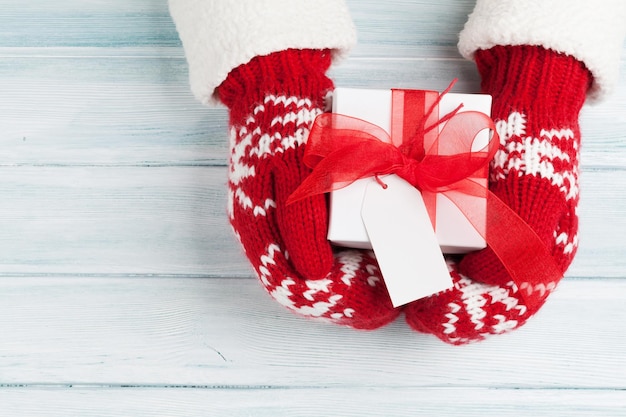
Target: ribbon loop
{"x": 342, "y": 149}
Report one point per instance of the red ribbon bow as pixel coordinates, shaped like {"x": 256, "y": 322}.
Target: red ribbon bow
{"x": 343, "y": 149}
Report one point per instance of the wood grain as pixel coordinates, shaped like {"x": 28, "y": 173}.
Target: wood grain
{"x": 132, "y": 106}
{"x": 229, "y": 333}
{"x": 171, "y": 220}
{"x": 123, "y": 291}
{"x": 303, "y": 402}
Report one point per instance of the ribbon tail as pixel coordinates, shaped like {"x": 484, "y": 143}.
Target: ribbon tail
{"x": 521, "y": 251}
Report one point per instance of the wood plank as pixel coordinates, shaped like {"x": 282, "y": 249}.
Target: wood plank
{"x": 168, "y": 220}
{"x": 345, "y": 402}
{"x": 115, "y": 108}
{"x": 172, "y": 221}
{"x": 394, "y": 28}
{"x": 164, "y": 332}
{"x": 105, "y": 106}
{"x": 409, "y": 28}
{"x": 94, "y": 23}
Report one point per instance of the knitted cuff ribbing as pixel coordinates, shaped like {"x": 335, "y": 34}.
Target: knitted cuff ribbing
{"x": 297, "y": 73}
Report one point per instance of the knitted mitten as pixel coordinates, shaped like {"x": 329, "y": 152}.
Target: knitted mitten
{"x": 273, "y": 101}
{"x": 266, "y": 61}
{"x": 537, "y": 96}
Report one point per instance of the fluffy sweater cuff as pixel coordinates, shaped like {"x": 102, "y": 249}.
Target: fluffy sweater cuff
{"x": 591, "y": 32}
{"x": 219, "y": 36}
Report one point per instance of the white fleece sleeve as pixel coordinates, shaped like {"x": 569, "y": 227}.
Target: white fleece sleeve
{"x": 220, "y": 35}
{"x": 590, "y": 31}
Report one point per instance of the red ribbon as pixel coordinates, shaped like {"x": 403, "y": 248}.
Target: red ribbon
{"x": 343, "y": 149}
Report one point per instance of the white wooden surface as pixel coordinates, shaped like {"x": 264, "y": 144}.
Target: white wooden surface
{"x": 122, "y": 291}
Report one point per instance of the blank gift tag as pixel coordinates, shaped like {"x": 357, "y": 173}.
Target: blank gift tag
{"x": 404, "y": 241}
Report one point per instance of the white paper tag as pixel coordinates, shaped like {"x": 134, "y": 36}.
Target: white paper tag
{"x": 404, "y": 241}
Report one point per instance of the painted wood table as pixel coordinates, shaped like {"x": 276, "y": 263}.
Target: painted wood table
{"x": 124, "y": 293}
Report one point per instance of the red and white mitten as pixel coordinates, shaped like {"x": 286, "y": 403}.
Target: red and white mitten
{"x": 539, "y": 61}
{"x": 266, "y": 60}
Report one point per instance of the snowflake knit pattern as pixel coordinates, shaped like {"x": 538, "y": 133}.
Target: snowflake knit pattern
{"x": 274, "y": 99}
{"x": 537, "y": 98}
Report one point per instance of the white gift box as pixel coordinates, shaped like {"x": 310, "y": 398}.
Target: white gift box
{"x": 454, "y": 233}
